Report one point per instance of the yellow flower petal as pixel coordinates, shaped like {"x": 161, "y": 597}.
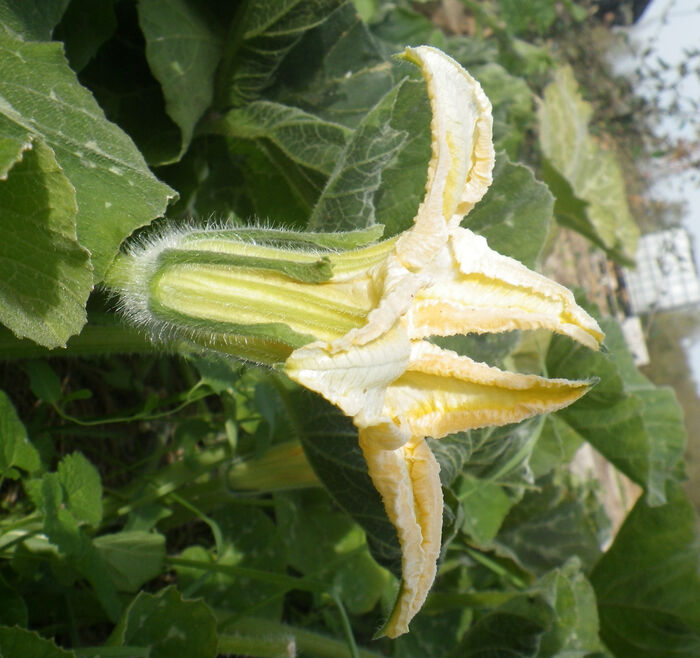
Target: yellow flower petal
{"x": 355, "y": 380}
{"x": 459, "y": 173}
{"x": 462, "y": 154}
{"x": 483, "y": 291}
{"x": 408, "y": 480}
{"x": 442, "y": 392}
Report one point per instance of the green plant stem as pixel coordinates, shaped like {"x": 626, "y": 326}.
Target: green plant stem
{"x": 495, "y": 567}
{"x": 290, "y": 582}
{"x": 94, "y": 340}
{"x": 283, "y": 646}
{"x": 443, "y": 601}
{"x": 307, "y": 643}
{"x": 113, "y": 652}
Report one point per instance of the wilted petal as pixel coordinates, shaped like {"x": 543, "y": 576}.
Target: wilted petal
{"x": 482, "y": 291}
{"x": 408, "y": 480}
{"x": 442, "y": 392}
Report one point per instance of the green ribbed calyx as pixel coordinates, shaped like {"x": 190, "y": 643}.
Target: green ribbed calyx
{"x": 257, "y": 294}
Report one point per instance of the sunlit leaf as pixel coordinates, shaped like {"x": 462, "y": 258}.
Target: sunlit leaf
{"x": 596, "y": 204}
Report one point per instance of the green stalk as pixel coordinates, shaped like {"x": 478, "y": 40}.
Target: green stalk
{"x": 307, "y": 643}
{"x": 94, "y": 340}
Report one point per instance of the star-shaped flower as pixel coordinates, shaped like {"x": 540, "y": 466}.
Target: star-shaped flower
{"x": 439, "y": 280}
{"x": 351, "y": 324}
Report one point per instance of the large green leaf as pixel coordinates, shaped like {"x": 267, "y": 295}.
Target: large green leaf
{"x": 45, "y": 275}
{"x": 338, "y": 70}
{"x": 347, "y": 200}
{"x": 635, "y": 425}
{"x": 115, "y": 191}
{"x": 587, "y": 179}
{"x": 648, "y": 583}
{"x": 266, "y": 30}
{"x": 183, "y": 47}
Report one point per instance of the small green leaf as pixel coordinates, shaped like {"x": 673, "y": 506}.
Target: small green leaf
{"x": 18, "y": 642}
{"x": 168, "y": 625}
{"x": 511, "y": 99}
{"x": 85, "y": 26}
{"x": 83, "y": 488}
{"x": 326, "y": 545}
{"x": 536, "y": 16}
{"x": 574, "y": 630}
{"x": 557, "y": 444}
{"x": 183, "y": 47}
{"x": 43, "y": 381}
{"x": 15, "y": 449}
{"x": 550, "y": 524}
{"x": 648, "y": 584}
{"x": 13, "y": 609}
{"x": 249, "y": 539}
{"x": 132, "y": 557}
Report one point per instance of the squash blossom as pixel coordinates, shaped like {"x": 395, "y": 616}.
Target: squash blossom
{"x": 348, "y": 317}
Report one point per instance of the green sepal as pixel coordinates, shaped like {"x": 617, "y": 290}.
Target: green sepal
{"x": 317, "y": 271}
{"x": 280, "y": 237}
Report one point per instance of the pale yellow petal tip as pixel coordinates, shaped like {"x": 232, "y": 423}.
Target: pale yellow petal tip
{"x": 460, "y": 168}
